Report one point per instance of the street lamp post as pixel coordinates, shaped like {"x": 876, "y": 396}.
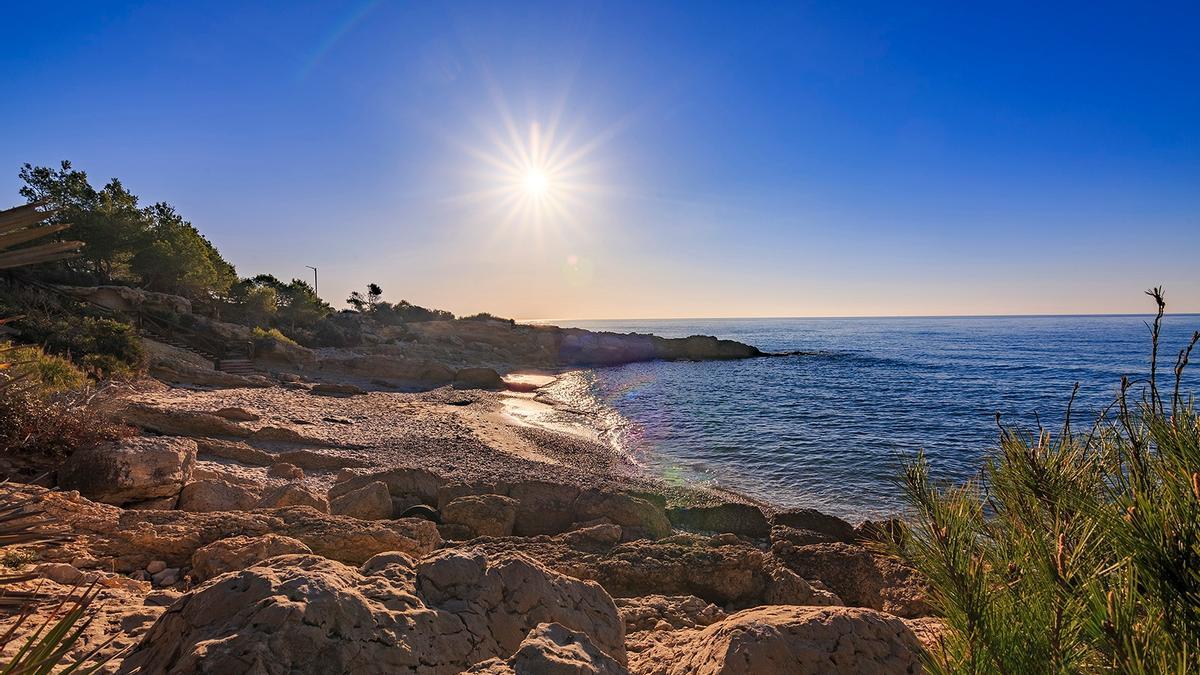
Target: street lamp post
{"x": 316, "y": 289}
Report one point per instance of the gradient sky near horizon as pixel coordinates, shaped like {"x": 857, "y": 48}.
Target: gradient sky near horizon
{"x": 713, "y": 159}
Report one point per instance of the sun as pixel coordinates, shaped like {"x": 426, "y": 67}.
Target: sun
{"x": 536, "y": 184}
{"x": 533, "y": 180}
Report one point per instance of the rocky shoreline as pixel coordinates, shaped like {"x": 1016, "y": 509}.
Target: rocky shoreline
{"x": 313, "y": 519}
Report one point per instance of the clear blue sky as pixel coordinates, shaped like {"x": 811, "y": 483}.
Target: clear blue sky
{"x": 719, "y": 159}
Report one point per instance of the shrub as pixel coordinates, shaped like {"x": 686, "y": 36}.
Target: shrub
{"x": 47, "y": 371}
{"x": 487, "y": 316}
{"x": 40, "y": 424}
{"x": 266, "y": 334}
{"x": 1075, "y": 552}
{"x": 108, "y": 347}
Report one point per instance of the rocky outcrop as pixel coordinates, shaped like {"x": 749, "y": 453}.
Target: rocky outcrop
{"x": 238, "y": 553}
{"x": 216, "y": 494}
{"x": 369, "y": 502}
{"x": 306, "y": 614}
{"x": 543, "y": 507}
{"x": 554, "y": 649}
{"x": 293, "y": 494}
{"x": 578, "y": 347}
{"x": 859, "y": 577}
{"x": 175, "y": 422}
{"x": 405, "y": 486}
{"x": 740, "y": 519}
{"x": 819, "y": 526}
{"x": 735, "y": 575}
{"x": 127, "y": 540}
{"x": 126, "y": 299}
{"x": 482, "y": 515}
{"x": 783, "y": 640}
{"x": 131, "y": 470}
{"x": 478, "y": 378}
{"x": 665, "y": 612}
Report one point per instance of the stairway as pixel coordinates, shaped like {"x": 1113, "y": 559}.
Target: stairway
{"x": 227, "y": 358}
{"x": 236, "y": 366}
{"x": 232, "y": 362}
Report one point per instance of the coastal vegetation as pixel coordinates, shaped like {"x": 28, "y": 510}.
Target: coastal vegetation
{"x": 1075, "y": 551}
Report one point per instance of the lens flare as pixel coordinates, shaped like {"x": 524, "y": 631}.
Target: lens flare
{"x": 534, "y": 181}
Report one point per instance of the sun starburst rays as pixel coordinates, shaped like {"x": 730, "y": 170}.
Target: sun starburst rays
{"x": 535, "y": 182}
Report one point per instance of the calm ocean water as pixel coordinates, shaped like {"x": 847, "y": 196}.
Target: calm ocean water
{"x": 827, "y": 430}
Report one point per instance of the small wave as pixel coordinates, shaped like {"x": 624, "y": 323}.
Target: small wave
{"x": 576, "y": 391}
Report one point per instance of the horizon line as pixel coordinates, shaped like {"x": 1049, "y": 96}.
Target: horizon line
{"x": 873, "y": 316}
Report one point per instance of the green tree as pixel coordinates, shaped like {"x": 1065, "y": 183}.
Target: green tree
{"x": 366, "y": 303}
{"x": 176, "y": 258}
{"x": 108, "y": 220}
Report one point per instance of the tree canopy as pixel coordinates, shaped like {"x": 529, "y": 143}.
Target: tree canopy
{"x": 153, "y": 247}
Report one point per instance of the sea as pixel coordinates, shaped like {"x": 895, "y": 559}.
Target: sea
{"x": 830, "y": 427}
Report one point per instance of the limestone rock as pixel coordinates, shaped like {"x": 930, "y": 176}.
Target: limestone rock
{"x": 544, "y": 507}
{"x": 174, "y": 421}
{"x": 129, "y": 540}
{"x": 554, "y": 649}
{"x": 812, "y": 520}
{"x": 738, "y": 575}
{"x": 483, "y": 515}
{"x": 306, "y": 614}
{"x": 216, "y": 495}
{"x": 740, "y": 519}
{"x": 602, "y": 536}
{"x": 369, "y": 502}
{"x": 859, "y": 577}
{"x": 293, "y": 494}
{"x": 478, "y": 378}
{"x": 651, "y": 612}
{"x": 784, "y": 640}
{"x": 285, "y": 470}
{"x": 238, "y": 553}
{"x": 407, "y": 486}
{"x": 633, "y": 514}
{"x": 236, "y": 414}
{"x": 130, "y": 470}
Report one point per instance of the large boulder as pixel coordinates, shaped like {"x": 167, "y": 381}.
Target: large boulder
{"x": 634, "y": 514}
{"x": 306, "y": 614}
{"x": 741, "y": 519}
{"x": 830, "y": 528}
{"x": 544, "y": 507}
{"x": 215, "y": 494}
{"x": 130, "y": 470}
{"x": 293, "y": 494}
{"x": 784, "y": 640}
{"x": 860, "y": 577}
{"x": 478, "y": 378}
{"x": 237, "y": 553}
{"x": 482, "y": 515}
{"x": 406, "y": 486}
{"x": 369, "y": 502}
